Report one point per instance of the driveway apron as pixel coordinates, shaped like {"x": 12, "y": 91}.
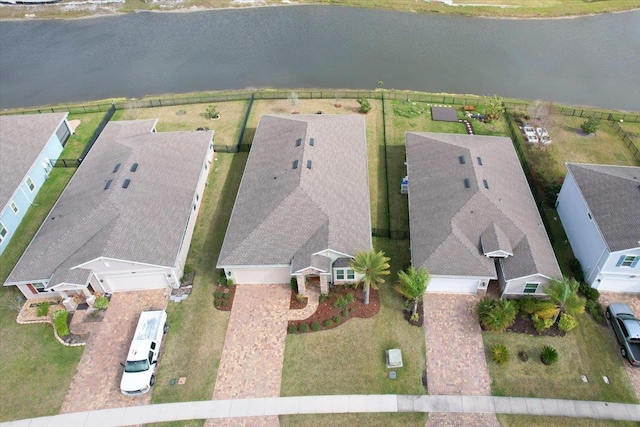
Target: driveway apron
{"x": 96, "y": 383}
{"x": 456, "y": 363}
{"x": 253, "y": 353}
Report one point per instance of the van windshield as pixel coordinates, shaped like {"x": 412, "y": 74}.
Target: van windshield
{"x": 136, "y": 366}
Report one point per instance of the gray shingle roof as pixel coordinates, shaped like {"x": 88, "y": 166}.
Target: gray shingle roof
{"x": 494, "y": 239}
{"x": 22, "y": 139}
{"x": 612, "y": 194}
{"x": 143, "y": 223}
{"x": 283, "y": 214}
{"x": 447, "y": 219}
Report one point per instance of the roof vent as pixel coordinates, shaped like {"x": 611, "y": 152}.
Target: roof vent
{"x": 108, "y": 184}
{"x": 485, "y": 183}
{"x": 298, "y": 142}
{"x": 126, "y": 182}
{"x": 115, "y": 169}
{"x": 295, "y": 164}
{"x": 480, "y": 161}
{"x": 308, "y": 164}
{"x": 467, "y": 183}
{"x": 312, "y": 142}
{"x": 462, "y": 160}
{"x": 134, "y": 167}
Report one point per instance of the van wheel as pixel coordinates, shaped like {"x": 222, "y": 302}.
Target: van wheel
{"x": 607, "y": 314}
{"x": 623, "y": 352}
{"x": 152, "y": 381}
{"x": 165, "y": 329}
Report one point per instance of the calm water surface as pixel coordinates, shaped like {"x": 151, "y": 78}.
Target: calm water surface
{"x": 586, "y": 61}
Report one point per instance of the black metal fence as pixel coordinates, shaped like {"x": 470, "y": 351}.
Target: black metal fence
{"x": 67, "y": 163}
{"x": 627, "y": 139}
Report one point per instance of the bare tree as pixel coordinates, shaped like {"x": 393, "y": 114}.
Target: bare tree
{"x": 293, "y": 100}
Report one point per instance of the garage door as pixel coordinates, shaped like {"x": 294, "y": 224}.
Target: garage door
{"x": 262, "y": 276}
{"x": 619, "y": 285}
{"x": 135, "y": 282}
{"x": 453, "y": 286}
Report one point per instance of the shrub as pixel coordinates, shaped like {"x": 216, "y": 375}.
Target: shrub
{"x": 101, "y": 303}
{"x": 301, "y": 298}
{"x": 345, "y": 313}
{"x": 500, "y": 354}
{"x": 217, "y": 303}
{"x": 523, "y": 355}
{"x": 590, "y": 125}
{"x": 497, "y": 315}
{"x": 227, "y": 295}
{"x": 217, "y": 294}
{"x": 315, "y": 326}
{"x": 292, "y": 329}
{"x": 529, "y": 304}
{"x": 304, "y": 327}
{"x": 567, "y": 322}
{"x": 43, "y": 309}
{"x": 541, "y": 324}
{"x": 365, "y": 106}
{"x": 229, "y": 283}
{"x": 576, "y": 270}
{"x": 343, "y": 301}
{"x": 337, "y": 319}
{"x": 328, "y": 323}
{"x": 546, "y": 310}
{"x": 60, "y": 322}
{"x": 222, "y": 279}
{"x": 323, "y": 297}
{"x": 591, "y": 294}
{"x": 225, "y": 303}
{"x": 548, "y": 355}
{"x": 294, "y": 284}
{"x": 212, "y": 112}
{"x": 594, "y": 308}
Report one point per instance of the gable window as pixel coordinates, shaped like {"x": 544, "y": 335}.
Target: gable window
{"x": 628, "y": 261}
{"x": 30, "y": 184}
{"x": 3, "y": 232}
{"x": 530, "y": 288}
{"x": 14, "y": 207}
{"x": 340, "y": 274}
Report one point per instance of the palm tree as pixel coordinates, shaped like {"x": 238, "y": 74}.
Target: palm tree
{"x": 412, "y": 285}
{"x": 564, "y": 294}
{"x": 372, "y": 266}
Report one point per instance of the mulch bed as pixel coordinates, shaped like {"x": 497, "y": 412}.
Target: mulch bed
{"x": 524, "y": 325}
{"x": 326, "y": 309}
{"x": 223, "y": 297}
{"x": 294, "y": 304}
{"x": 420, "y": 313}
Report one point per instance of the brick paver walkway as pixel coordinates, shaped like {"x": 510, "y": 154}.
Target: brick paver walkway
{"x": 96, "y": 384}
{"x": 633, "y": 301}
{"x": 456, "y": 363}
{"x": 313, "y": 293}
{"x": 253, "y": 353}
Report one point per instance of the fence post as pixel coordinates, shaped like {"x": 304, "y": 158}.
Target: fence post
{"x": 244, "y": 123}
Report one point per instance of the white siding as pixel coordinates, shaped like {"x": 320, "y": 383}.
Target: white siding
{"x": 585, "y": 238}
{"x": 516, "y": 286}
{"x": 455, "y": 285}
{"x": 256, "y": 276}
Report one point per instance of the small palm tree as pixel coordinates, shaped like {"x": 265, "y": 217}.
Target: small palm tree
{"x": 373, "y": 266}
{"x": 564, "y": 294}
{"x": 412, "y": 285}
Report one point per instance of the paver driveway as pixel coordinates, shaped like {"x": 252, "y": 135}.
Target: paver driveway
{"x": 456, "y": 363}
{"x": 251, "y": 362}
{"x": 633, "y": 301}
{"x": 96, "y": 384}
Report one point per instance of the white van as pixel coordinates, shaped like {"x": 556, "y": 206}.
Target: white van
{"x": 139, "y": 369}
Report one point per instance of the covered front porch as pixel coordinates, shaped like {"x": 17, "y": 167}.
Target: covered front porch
{"x": 312, "y": 277}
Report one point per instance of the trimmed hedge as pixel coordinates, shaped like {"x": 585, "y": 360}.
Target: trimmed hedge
{"x": 60, "y": 322}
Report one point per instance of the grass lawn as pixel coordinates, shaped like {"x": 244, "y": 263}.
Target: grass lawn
{"x": 375, "y": 142}
{"x": 197, "y": 330}
{"x": 350, "y": 420}
{"x": 349, "y": 359}
{"x": 535, "y": 421}
{"x": 561, "y": 246}
{"x": 590, "y": 349}
{"x": 190, "y": 117}
{"x": 24, "y": 347}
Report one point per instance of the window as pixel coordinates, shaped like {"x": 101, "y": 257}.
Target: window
{"x": 339, "y": 274}
{"x": 30, "y": 184}
{"x": 628, "y": 261}
{"x": 14, "y": 207}
{"x": 530, "y": 288}
{"x": 3, "y": 232}
{"x": 39, "y": 287}
{"x": 350, "y": 274}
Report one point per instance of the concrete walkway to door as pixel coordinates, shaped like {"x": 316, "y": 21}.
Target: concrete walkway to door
{"x": 253, "y": 353}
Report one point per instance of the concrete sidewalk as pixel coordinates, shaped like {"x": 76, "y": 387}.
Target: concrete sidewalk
{"x": 270, "y": 406}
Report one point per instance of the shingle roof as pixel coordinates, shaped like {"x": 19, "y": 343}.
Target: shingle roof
{"x": 143, "y": 223}
{"x": 447, "y": 219}
{"x": 283, "y": 214}
{"x": 22, "y": 139}
{"x": 612, "y": 194}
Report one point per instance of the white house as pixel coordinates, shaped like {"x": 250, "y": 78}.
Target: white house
{"x": 599, "y": 207}
{"x": 472, "y": 217}
{"x": 126, "y": 218}
{"x": 29, "y": 146}
{"x": 302, "y": 209}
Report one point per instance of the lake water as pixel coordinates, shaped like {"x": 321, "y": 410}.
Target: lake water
{"x": 586, "y": 61}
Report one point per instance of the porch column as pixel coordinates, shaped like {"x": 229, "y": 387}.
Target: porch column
{"x": 86, "y": 292}
{"x": 302, "y": 286}
{"x": 324, "y": 286}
